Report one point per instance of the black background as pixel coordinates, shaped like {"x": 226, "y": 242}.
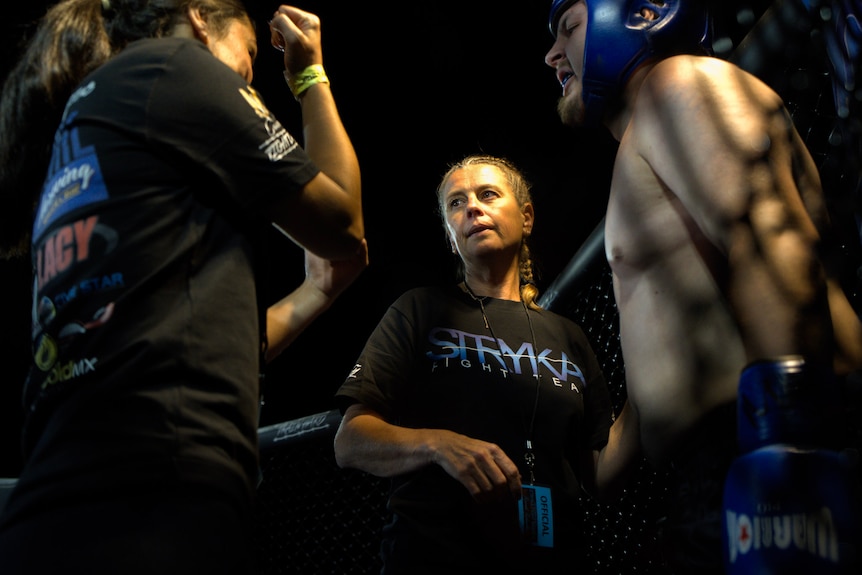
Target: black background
{"x": 418, "y": 85}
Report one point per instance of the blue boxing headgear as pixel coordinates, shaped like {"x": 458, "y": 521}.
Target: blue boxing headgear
{"x": 619, "y": 39}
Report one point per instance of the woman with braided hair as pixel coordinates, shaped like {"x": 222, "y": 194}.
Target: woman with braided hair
{"x": 478, "y": 404}
{"x": 141, "y": 171}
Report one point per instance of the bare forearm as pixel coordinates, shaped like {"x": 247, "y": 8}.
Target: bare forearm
{"x": 618, "y": 459}
{"x": 326, "y": 139}
{"x": 330, "y": 148}
{"x": 370, "y": 444}
{"x": 327, "y": 218}
{"x": 289, "y": 317}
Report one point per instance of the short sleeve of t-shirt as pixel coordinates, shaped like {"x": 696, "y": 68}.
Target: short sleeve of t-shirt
{"x": 384, "y": 359}
{"x": 193, "y": 106}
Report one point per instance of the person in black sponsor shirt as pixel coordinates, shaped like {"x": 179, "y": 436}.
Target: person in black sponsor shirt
{"x": 468, "y": 395}
{"x": 149, "y": 218}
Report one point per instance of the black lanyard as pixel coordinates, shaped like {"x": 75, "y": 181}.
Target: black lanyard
{"x": 529, "y": 455}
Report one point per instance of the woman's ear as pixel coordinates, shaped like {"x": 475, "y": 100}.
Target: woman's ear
{"x": 199, "y": 25}
{"x": 528, "y": 219}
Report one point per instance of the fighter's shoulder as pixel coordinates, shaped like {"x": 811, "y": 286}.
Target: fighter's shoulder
{"x": 671, "y": 93}
{"x": 681, "y": 90}
{"x": 684, "y": 67}
{"x": 704, "y": 76}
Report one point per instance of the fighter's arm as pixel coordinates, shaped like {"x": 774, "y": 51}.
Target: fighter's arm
{"x": 366, "y": 441}
{"x": 847, "y": 329}
{"x": 617, "y": 460}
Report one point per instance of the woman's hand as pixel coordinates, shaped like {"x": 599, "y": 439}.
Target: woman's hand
{"x": 296, "y": 33}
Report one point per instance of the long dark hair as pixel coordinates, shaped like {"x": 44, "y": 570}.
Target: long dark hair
{"x": 73, "y": 38}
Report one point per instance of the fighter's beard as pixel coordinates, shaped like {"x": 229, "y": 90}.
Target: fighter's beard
{"x": 571, "y": 110}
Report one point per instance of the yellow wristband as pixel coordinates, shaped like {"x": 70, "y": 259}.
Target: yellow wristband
{"x": 312, "y": 75}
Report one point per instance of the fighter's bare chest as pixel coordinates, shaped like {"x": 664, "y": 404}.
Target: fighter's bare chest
{"x": 645, "y": 221}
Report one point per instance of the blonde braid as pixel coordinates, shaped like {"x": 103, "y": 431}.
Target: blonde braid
{"x": 529, "y": 291}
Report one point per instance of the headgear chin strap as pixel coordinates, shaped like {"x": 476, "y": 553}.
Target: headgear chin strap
{"x": 622, "y": 34}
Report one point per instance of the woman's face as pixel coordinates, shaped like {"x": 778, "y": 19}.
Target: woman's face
{"x": 482, "y": 213}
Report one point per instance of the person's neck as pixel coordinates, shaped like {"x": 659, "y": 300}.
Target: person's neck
{"x": 618, "y": 118}
{"x": 508, "y": 288}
